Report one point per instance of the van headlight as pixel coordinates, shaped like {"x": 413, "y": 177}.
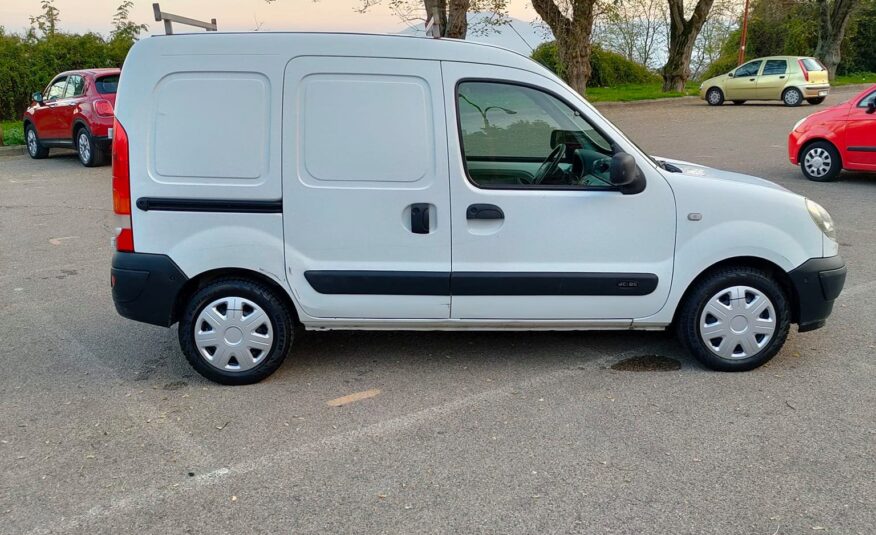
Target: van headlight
{"x": 821, "y": 218}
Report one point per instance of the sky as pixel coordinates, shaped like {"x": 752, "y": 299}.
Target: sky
{"x": 80, "y": 16}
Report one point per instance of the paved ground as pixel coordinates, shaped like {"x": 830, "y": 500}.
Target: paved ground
{"x": 105, "y": 429}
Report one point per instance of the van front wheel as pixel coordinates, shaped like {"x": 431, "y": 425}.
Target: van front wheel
{"x": 235, "y": 331}
{"x": 735, "y": 319}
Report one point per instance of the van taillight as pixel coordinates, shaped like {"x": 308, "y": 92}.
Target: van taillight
{"x": 805, "y": 72}
{"x": 124, "y": 238}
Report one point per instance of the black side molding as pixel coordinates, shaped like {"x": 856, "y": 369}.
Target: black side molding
{"x": 168, "y": 204}
{"x": 479, "y": 283}
{"x": 379, "y": 282}
{"x": 861, "y": 149}
{"x": 549, "y": 283}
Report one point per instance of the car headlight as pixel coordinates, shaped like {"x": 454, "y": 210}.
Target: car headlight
{"x": 801, "y": 121}
{"x": 821, "y": 218}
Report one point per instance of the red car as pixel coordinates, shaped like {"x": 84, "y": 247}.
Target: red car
{"x": 840, "y": 137}
{"x": 75, "y": 112}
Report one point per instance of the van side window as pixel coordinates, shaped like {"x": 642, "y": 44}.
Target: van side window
{"x": 56, "y": 90}
{"x": 749, "y": 69}
{"x": 775, "y": 66}
{"x": 515, "y": 136}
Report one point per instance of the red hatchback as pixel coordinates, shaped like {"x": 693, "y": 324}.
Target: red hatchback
{"x": 75, "y": 112}
{"x": 840, "y": 137}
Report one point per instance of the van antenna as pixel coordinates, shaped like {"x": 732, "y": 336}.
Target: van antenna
{"x": 169, "y": 18}
{"x": 511, "y": 24}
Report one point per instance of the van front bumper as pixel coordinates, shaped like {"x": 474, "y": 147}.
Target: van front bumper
{"x": 817, "y": 283}
{"x": 146, "y": 286}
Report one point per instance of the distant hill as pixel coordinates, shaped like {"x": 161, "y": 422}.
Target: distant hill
{"x": 503, "y": 36}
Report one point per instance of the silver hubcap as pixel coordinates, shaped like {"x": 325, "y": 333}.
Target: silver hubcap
{"x": 817, "y": 162}
{"x": 31, "y": 142}
{"x": 792, "y": 97}
{"x": 233, "y": 334}
{"x": 84, "y": 147}
{"x": 737, "y": 322}
{"x": 714, "y": 97}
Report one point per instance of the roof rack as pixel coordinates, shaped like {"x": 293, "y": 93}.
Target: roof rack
{"x": 170, "y": 18}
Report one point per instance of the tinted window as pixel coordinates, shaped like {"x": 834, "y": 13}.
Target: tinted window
{"x": 56, "y": 90}
{"x": 812, "y": 64}
{"x": 107, "y": 84}
{"x": 517, "y": 136}
{"x": 775, "y": 66}
{"x": 749, "y": 69}
{"x": 75, "y": 86}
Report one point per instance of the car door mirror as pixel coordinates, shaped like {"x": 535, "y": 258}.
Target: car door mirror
{"x": 38, "y": 97}
{"x": 731, "y": 74}
{"x": 871, "y": 107}
{"x": 625, "y": 174}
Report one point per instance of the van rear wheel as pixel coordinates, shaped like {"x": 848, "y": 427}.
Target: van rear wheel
{"x": 735, "y": 319}
{"x": 236, "y": 331}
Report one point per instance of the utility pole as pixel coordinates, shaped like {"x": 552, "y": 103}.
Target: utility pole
{"x": 744, "y": 34}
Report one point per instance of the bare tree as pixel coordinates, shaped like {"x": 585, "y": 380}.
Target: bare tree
{"x": 683, "y": 34}
{"x": 636, "y": 29}
{"x": 833, "y": 19}
{"x": 452, "y": 14}
{"x": 723, "y": 18}
{"x": 571, "y": 22}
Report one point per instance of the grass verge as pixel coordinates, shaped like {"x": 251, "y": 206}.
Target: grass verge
{"x": 631, "y": 92}
{"x": 13, "y": 132}
{"x": 855, "y": 78}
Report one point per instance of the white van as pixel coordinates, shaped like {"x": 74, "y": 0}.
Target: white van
{"x": 333, "y": 181}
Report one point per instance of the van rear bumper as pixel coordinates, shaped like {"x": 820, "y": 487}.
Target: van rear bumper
{"x": 145, "y": 287}
{"x": 817, "y": 282}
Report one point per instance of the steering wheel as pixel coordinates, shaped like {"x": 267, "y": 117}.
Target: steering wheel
{"x": 550, "y": 164}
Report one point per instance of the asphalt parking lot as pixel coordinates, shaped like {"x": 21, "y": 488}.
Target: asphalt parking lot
{"x": 104, "y": 428}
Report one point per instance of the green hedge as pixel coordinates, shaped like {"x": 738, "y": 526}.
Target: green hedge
{"x": 27, "y": 64}
{"x": 608, "y": 68}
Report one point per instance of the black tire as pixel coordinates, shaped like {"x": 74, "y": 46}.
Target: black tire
{"x": 90, "y": 154}
{"x": 35, "y": 149}
{"x": 836, "y": 164}
{"x": 739, "y": 102}
{"x": 692, "y": 309}
{"x": 274, "y": 307}
{"x": 714, "y": 96}
{"x": 815, "y": 101}
{"x": 792, "y": 97}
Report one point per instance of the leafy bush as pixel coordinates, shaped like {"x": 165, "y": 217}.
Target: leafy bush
{"x": 607, "y": 68}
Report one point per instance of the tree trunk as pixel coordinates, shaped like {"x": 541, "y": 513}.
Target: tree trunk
{"x": 452, "y": 16}
{"x": 573, "y": 38}
{"x": 832, "y": 23}
{"x": 682, "y": 36}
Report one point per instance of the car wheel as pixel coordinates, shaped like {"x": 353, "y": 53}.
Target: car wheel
{"x": 714, "y": 96}
{"x": 89, "y": 153}
{"x": 792, "y": 97}
{"x": 820, "y": 161}
{"x": 735, "y": 319}
{"x": 235, "y": 331}
{"x": 34, "y": 148}
{"x": 815, "y": 101}
{"x": 739, "y": 102}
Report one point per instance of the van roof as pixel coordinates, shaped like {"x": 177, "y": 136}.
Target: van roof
{"x": 339, "y": 43}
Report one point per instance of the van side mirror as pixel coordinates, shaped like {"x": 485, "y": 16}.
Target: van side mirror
{"x": 871, "y": 106}
{"x": 38, "y": 97}
{"x": 625, "y": 174}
